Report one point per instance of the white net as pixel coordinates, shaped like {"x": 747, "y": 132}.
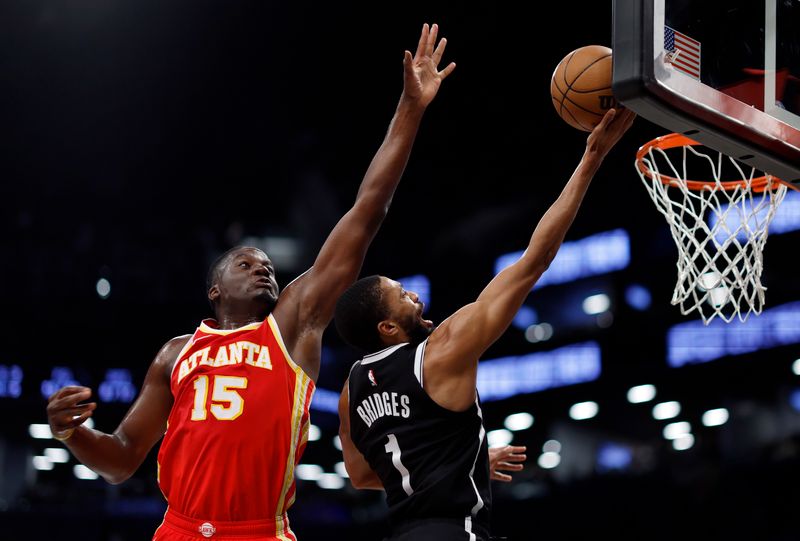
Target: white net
{"x": 720, "y": 226}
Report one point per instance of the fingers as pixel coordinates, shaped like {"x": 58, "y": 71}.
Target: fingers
{"x": 501, "y": 477}
{"x": 437, "y": 54}
{"x": 423, "y": 40}
{"x": 628, "y": 118}
{"x": 428, "y": 48}
{"x": 64, "y": 410}
{"x": 619, "y": 123}
{"x": 61, "y": 424}
{"x": 624, "y": 115}
{"x": 69, "y": 414}
{"x": 447, "y": 71}
{"x": 427, "y": 43}
{"x": 68, "y": 391}
{"x": 507, "y": 466}
{"x": 80, "y": 410}
{"x": 431, "y": 39}
{"x": 79, "y": 420}
{"x": 408, "y": 63}
{"x": 506, "y": 458}
{"x": 511, "y": 452}
{"x": 67, "y": 397}
{"x": 607, "y": 119}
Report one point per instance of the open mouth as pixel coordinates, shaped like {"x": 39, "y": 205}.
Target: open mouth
{"x": 427, "y": 322}
{"x": 263, "y": 284}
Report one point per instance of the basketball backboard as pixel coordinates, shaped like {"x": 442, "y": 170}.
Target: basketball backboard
{"x": 725, "y": 73}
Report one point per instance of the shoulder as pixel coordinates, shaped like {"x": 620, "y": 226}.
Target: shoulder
{"x": 445, "y": 337}
{"x": 168, "y": 354}
{"x": 174, "y": 345}
{"x": 353, "y": 367}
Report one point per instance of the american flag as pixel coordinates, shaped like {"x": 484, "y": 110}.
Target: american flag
{"x": 684, "y": 52}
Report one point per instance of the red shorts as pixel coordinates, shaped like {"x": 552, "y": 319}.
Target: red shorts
{"x": 177, "y": 527}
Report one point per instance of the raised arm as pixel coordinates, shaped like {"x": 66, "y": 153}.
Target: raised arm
{"x": 117, "y": 456}
{"x": 358, "y": 469}
{"x": 451, "y": 356}
{"x": 339, "y": 262}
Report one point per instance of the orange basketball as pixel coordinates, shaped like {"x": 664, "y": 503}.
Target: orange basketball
{"x": 581, "y": 87}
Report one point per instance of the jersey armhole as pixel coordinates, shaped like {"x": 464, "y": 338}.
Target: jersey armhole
{"x": 350, "y": 379}
{"x": 419, "y": 359}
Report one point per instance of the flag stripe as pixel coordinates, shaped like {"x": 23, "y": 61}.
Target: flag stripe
{"x": 695, "y": 55}
{"x": 687, "y": 40}
{"x": 686, "y": 67}
{"x": 685, "y": 52}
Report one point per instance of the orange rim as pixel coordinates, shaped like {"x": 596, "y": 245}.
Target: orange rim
{"x": 674, "y": 140}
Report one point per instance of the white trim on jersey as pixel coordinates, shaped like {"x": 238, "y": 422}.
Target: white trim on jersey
{"x": 208, "y": 329}
{"x": 468, "y": 528}
{"x": 350, "y": 379}
{"x": 382, "y": 354}
{"x": 418, "y": 360}
{"x": 481, "y": 435}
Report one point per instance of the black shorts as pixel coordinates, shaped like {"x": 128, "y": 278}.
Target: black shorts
{"x": 437, "y": 529}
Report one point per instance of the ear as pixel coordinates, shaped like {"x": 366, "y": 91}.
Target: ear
{"x": 213, "y": 293}
{"x": 388, "y": 328}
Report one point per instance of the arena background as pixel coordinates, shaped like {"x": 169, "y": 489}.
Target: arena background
{"x": 142, "y": 139}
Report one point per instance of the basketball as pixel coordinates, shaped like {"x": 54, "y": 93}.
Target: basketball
{"x": 581, "y": 87}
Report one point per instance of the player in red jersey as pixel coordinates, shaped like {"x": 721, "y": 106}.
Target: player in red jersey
{"x": 231, "y": 400}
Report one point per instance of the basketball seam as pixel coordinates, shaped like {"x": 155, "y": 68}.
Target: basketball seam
{"x": 592, "y": 90}
{"x": 579, "y": 106}
{"x": 569, "y": 88}
{"x": 576, "y": 121}
{"x": 578, "y": 76}
{"x": 555, "y": 78}
{"x": 564, "y": 93}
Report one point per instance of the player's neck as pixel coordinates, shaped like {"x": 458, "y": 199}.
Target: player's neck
{"x": 399, "y": 338}
{"x": 234, "y": 319}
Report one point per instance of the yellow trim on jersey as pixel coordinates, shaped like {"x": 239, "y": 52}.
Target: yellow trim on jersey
{"x": 302, "y": 393}
{"x": 303, "y": 441}
{"x": 163, "y": 520}
{"x": 189, "y": 343}
{"x": 211, "y": 330}
{"x": 304, "y": 432}
{"x": 279, "y": 338}
{"x": 281, "y": 529}
{"x": 301, "y": 388}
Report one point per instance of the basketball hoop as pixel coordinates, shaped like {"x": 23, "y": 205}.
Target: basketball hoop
{"x": 719, "y": 226}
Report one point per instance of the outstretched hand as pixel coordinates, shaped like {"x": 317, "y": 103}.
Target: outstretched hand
{"x": 503, "y": 458}
{"x": 613, "y": 126}
{"x": 422, "y": 76}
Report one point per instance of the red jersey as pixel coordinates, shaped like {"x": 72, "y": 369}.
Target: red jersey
{"x": 238, "y": 426}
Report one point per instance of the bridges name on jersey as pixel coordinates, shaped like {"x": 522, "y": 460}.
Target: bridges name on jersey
{"x": 378, "y": 405}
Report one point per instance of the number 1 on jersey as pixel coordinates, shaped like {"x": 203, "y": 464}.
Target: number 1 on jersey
{"x": 394, "y": 448}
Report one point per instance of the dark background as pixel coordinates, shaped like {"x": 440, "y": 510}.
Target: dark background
{"x": 142, "y": 139}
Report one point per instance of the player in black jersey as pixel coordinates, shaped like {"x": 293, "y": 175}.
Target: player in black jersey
{"x": 410, "y": 415}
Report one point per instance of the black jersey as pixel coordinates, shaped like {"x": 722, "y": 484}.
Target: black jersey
{"x": 433, "y": 462}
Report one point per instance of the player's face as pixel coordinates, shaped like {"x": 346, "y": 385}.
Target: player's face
{"x": 249, "y": 275}
{"x": 406, "y": 309}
